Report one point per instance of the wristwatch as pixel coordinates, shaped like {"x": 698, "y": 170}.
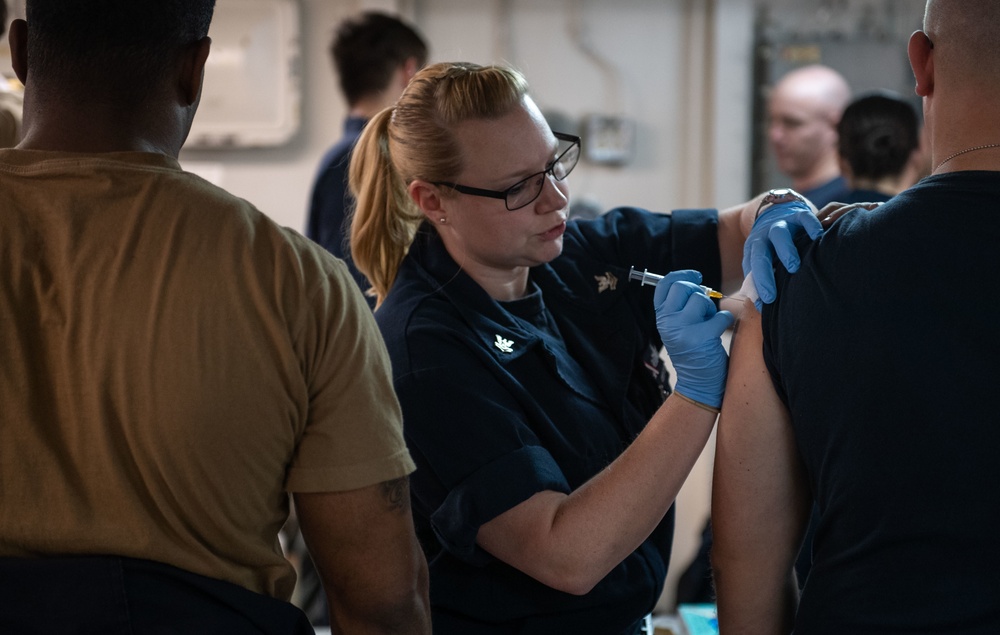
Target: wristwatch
{"x": 781, "y": 195}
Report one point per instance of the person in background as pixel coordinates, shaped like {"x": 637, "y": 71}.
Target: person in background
{"x": 527, "y": 363}
{"x": 879, "y": 146}
{"x": 803, "y": 110}
{"x": 375, "y": 55}
{"x": 175, "y": 365}
{"x": 866, "y": 385}
{"x": 11, "y": 99}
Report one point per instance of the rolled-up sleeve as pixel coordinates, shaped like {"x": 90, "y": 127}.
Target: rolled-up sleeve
{"x": 490, "y": 491}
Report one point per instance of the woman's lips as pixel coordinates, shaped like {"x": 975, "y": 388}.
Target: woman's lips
{"x": 555, "y": 232}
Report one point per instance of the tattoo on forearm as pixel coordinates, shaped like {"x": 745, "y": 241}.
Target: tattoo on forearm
{"x": 397, "y": 494}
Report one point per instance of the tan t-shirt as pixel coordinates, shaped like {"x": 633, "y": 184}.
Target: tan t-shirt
{"x": 172, "y": 363}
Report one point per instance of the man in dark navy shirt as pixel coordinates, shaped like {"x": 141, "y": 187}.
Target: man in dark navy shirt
{"x": 866, "y": 387}
{"x": 375, "y": 56}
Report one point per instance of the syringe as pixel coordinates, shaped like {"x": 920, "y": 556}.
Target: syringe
{"x": 645, "y": 277}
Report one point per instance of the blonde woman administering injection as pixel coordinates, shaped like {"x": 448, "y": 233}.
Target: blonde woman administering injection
{"x": 527, "y": 365}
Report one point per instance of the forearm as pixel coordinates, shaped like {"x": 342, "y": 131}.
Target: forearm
{"x": 631, "y": 496}
{"x": 404, "y": 611}
{"x": 368, "y": 558}
{"x": 583, "y": 535}
{"x": 614, "y": 512}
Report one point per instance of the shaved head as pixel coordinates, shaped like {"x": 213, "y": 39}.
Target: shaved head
{"x": 956, "y": 65}
{"x": 803, "y": 110}
{"x": 966, "y": 36}
{"x": 823, "y": 88}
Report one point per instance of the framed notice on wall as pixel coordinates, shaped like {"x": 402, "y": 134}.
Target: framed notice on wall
{"x": 252, "y": 93}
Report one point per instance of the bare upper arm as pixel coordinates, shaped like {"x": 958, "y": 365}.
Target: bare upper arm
{"x": 760, "y": 497}
{"x": 756, "y": 453}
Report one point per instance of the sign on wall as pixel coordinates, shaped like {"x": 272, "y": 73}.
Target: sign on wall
{"x": 252, "y": 94}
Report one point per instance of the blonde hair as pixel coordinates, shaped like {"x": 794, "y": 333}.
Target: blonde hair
{"x": 415, "y": 140}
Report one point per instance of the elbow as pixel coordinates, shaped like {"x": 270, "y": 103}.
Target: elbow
{"x": 412, "y": 616}
{"x": 575, "y": 586}
{"x": 574, "y": 578}
{"x": 412, "y": 606}
{"x": 570, "y": 585}
{"x": 405, "y": 614}
{"x": 400, "y": 608}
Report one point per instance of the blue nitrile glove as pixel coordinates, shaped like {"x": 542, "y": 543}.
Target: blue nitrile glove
{"x": 691, "y": 330}
{"x": 773, "y": 233}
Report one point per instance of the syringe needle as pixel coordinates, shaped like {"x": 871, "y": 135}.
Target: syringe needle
{"x": 645, "y": 277}
{"x": 712, "y": 293}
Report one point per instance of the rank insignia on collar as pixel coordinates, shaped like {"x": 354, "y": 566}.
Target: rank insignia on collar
{"x": 505, "y": 346}
{"x": 605, "y": 282}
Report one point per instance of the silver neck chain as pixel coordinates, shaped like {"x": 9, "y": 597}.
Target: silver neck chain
{"x": 961, "y": 152}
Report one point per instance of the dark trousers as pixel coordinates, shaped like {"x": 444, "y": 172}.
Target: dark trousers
{"x": 112, "y": 595}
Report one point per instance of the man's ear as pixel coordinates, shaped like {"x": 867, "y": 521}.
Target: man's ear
{"x": 193, "y": 71}
{"x": 427, "y": 197}
{"x": 18, "y": 38}
{"x": 920, "y": 51}
{"x": 410, "y": 68}
{"x": 845, "y": 168}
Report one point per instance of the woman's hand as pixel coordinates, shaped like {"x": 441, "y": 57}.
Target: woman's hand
{"x": 691, "y": 329}
{"x": 833, "y": 211}
{"x": 773, "y": 233}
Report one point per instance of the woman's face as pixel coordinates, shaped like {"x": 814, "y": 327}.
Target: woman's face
{"x": 483, "y": 236}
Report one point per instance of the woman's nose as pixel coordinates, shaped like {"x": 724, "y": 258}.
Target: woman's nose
{"x": 554, "y": 196}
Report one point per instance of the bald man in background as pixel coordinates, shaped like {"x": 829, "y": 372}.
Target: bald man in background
{"x": 803, "y": 111}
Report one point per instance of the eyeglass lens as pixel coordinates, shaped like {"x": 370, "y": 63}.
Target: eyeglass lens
{"x": 529, "y": 189}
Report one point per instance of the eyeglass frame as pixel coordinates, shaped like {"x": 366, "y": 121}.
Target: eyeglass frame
{"x": 574, "y": 141}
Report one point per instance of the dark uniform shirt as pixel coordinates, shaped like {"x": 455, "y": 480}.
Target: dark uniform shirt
{"x": 505, "y": 400}
{"x": 884, "y": 348}
{"x": 331, "y": 202}
{"x": 833, "y": 190}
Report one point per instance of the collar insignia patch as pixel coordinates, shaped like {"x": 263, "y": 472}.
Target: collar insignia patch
{"x": 505, "y": 346}
{"x": 606, "y": 282}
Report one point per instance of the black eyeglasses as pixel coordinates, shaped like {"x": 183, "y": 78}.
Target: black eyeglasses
{"x": 527, "y": 190}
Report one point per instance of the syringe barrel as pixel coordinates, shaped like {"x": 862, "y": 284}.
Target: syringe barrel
{"x": 644, "y": 276}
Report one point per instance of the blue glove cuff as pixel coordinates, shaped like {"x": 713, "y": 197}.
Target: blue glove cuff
{"x": 691, "y": 401}
{"x": 782, "y": 209}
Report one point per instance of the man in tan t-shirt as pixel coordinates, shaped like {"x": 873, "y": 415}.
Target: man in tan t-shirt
{"x": 174, "y": 365}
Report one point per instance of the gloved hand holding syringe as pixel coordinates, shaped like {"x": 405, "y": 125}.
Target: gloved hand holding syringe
{"x": 746, "y": 291}
{"x": 645, "y": 277}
